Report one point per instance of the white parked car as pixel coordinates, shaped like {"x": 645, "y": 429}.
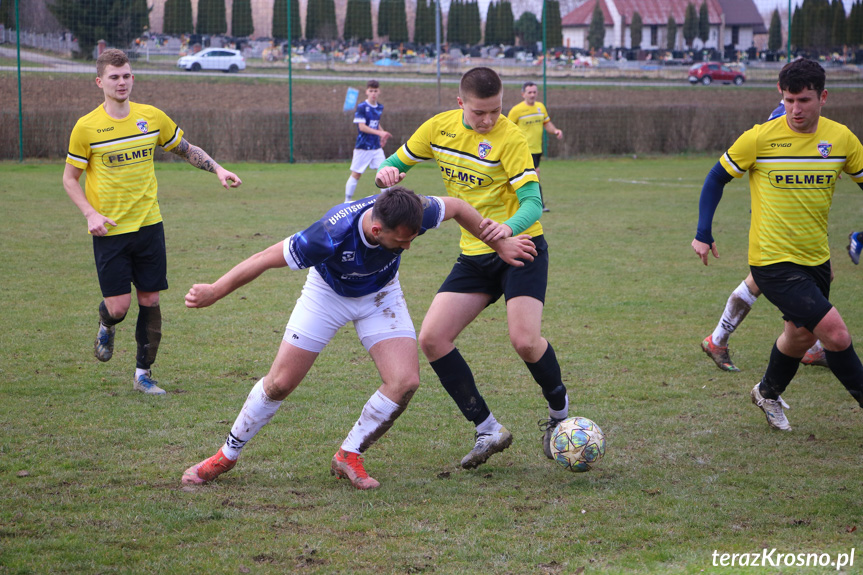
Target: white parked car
{"x": 223, "y": 59}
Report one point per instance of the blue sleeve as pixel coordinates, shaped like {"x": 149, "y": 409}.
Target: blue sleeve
{"x": 711, "y": 193}
{"x": 312, "y": 246}
{"x": 433, "y": 213}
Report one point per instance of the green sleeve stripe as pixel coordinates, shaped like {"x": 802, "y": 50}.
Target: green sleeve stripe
{"x": 395, "y": 162}
{"x": 529, "y": 208}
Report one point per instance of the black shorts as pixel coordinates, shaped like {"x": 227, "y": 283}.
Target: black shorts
{"x": 800, "y": 292}
{"x": 138, "y": 257}
{"x": 536, "y": 158}
{"x": 490, "y": 275}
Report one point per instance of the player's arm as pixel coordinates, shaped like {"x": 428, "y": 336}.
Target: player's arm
{"x": 528, "y": 212}
{"x": 391, "y": 172}
{"x": 96, "y": 222}
{"x": 711, "y": 193}
{"x": 552, "y": 129}
{"x": 512, "y": 250}
{"x": 203, "y": 295}
{"x": 374, "y": 132}
{"x": 202, "y": 160}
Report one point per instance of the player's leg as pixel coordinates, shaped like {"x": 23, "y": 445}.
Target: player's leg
{"x": 150, "y": 276}
{"x": 359, "y": 163}
{"x": 737, "y": 307}
{"x": 536, "y": 160}
{"x": 842, "y": 360}
{"x": 287, "y": 371}
{"x": 114, "y": 270}
{"x": 448, "y": 315}
{"x": 398, "y": 365}
{"x": 351, "y": 186}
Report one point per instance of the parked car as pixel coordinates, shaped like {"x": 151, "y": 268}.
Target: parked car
{"x": 223, "y": 59}
{"x": 709, "y": 72}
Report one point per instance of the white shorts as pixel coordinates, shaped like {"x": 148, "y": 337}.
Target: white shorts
{"x": 367, "y": 159}
{"x": 320, "y": 312}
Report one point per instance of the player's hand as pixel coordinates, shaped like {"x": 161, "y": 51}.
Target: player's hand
{"x": 558, "y": 134}
{"x": 228, "y": 179}
{"x": 388, "y": 176}
{"x": 385, "y": 137}
{"x": 703, "y": 249}
{"x": 516, "y": 250}
{"x": 493, "y": 231}
{"x": 97, "y": 224}
{"x": 201, "y": 295}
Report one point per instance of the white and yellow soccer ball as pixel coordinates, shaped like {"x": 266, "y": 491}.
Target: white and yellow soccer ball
{"x": 577, "y": 444}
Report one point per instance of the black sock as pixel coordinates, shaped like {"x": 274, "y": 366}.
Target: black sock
{"x": 148, "y": 334}
{"x": 546, "y": 372}
{"x": 457, "y": 379}
{"x": 780, "y": 371}
{"x": 106, "y": 318}
{"x": 847, "y": 368}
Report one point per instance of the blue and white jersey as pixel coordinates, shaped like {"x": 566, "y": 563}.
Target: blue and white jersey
{"x": 337, "y": 248}
{"x": 371, "y": 117}
{"x": 778, "y": 112}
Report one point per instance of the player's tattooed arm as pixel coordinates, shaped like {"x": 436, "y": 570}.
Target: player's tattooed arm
{"x": 201, "y": 159}
{"x": 195, "y": 156}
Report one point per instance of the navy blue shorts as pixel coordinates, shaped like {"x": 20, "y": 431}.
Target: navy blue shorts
{"x": 490, "y": 275}
{"x": 135, "y": 258}
{"x": 536, "y": 159}
{"x": 800, "y": 292}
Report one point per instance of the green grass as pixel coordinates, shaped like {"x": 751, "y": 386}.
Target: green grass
{"x": 90, "y": 470}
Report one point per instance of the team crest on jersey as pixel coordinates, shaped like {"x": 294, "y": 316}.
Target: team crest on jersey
{"x": 143, "y": 126}
{"x": 824, "y": 148}
{"x": 484, "y": 149}
{"x": 348, "y": 256}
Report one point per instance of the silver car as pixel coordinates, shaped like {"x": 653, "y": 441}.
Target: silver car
{"x": 223, "y": 59}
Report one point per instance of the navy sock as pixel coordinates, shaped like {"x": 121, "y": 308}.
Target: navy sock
{"x": 148, "y": 334}
{"x": 457, "y": 379}
{"x": 546, "y": 372}
{"x": 780, "y": 371}
{"x": 848, "y": 369}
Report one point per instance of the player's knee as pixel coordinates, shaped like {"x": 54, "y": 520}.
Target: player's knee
{"x": 527, "y": 348}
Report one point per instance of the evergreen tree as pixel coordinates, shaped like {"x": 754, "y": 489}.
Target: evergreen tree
{"x": 797, "y": 32}
{"x": 690, "y": 25}
{"x": 321, "y": 20}
{"x": 528, "y": 28}
{"x": 473, "y": 24}
{"x": 703, "y": 23}
{"x": 358, "y": 21}
{"x": 383, "y": 18}
{"x": 453, "y": 29}
{"x": 280, "y": 20}
{"x": 7, "y": 14}
{"x": 241, "y": 19}
{"x": 854, "y": 29}
{"x": 178, "y": 17}
{"x": 551, "y": 21}
{"x": 596, "y": 31}
{"x": 398, "y": 20}
{"x": 837, "y": 33}
{"x": 118, "y": 22}
{"x": 491, "y": 23}
{"x": 211, "y": 17}
{"x": 672, "y": 33}
{"x": 424, "y": 26}
{"x": 506, "y": 23}
{"x": 774, "y": 37}
{"x": 636, "y": 28}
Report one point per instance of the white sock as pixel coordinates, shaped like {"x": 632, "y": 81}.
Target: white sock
{"x": 139, "y": 372}
{"x": 377, "y": 411}
{"x": 490, "y": 425}
{"x": 258, "y": 410}
{"x": 738, "y": 305}
{"x": 350, "y": 188}
{"x": 563, "y": 413}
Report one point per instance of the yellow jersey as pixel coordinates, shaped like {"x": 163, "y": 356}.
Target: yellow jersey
{"x": 531, "y": 120}
{"x": 485, "y": 170}
{"x": 117, "y": 156}
{"x": 792, "y": 177}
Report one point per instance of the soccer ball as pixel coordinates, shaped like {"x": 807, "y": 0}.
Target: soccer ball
{"x": 577, "y": 444}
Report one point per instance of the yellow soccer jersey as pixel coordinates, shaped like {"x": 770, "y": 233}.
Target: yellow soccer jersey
{"x": 531, "y": 120}
{"x": 792, "y": 177}
{"x": 118, "y": 158}
{"x": 485, "y": 170}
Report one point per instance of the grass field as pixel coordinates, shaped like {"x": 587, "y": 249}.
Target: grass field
{"x": 90, "y": 470}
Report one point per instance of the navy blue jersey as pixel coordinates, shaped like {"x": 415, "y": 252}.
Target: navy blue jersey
{"x": 371, "y": 117}
{"x": 337, "y": 248}
{"x": 779, "y": 111}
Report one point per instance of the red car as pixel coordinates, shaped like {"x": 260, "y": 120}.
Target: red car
{"x": 709, "y": 72}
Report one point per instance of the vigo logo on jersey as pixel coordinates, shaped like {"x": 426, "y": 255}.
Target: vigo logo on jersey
{"x": 797, "y": 179}
{"x": 129, "y": 156}
{"x": 463, "y": 176}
